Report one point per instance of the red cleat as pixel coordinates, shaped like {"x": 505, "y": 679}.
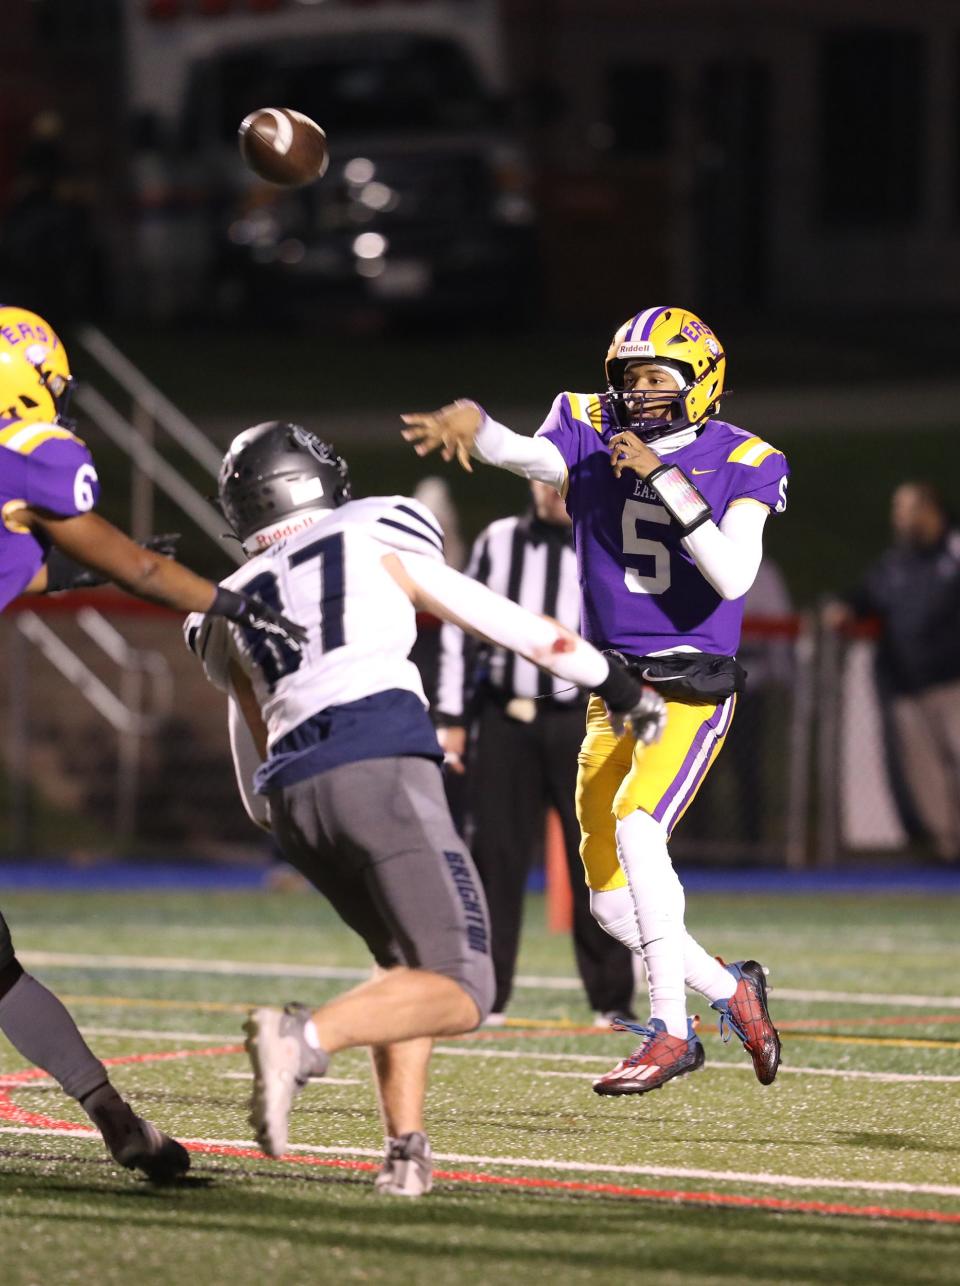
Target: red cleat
{"x": 659, "y": 1059}
{"x": 746, "y": 1014}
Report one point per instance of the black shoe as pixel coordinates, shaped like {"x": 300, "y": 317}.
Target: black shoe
{"x": 138, "y": 1144}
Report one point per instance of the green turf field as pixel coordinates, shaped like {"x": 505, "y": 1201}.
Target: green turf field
{"x": 711, "y": 1179}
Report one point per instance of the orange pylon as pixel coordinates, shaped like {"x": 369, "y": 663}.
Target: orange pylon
{"x": 559, "y": 892}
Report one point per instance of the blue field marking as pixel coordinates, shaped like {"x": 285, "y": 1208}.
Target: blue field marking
{"x": 130, "y": 877}
{"x": 841, "y": 879}
{"x": 135, "y": 876}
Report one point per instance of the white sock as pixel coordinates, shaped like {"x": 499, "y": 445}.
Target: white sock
{"x": 705, "y": 973}
{"x": 659, "y": 904}
{"x": 614, "y": 911}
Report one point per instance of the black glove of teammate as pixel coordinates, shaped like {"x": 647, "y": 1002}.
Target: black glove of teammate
{"x": 252, "y": 612}
{"x": 631, "y": 704}
{"x": 64, "y": 573}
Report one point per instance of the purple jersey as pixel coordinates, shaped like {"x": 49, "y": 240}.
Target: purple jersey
{"x": 641, "y": 592}
{"x": 46, "y": 467}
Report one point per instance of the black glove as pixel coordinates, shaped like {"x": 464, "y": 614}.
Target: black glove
{"x": 64, "y": 573}
{"x": 647, "y": 718}
{"x": 632, "y": 704}
{"x": 246, "y": 610}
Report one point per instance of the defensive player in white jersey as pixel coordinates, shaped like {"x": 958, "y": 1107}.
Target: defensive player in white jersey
{"x": 335, "y": 752}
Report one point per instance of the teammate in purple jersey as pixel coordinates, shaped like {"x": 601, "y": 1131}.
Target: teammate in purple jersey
{"x": 668, "y": 506}
{"x": 50, "y": 539}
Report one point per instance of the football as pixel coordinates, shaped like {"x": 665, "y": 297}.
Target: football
{"x": 283, "y": 146}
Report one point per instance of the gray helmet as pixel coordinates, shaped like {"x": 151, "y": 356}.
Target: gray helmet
{"x": 275, "y": 470}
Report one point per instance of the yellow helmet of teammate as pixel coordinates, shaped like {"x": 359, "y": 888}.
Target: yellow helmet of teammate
{"x": 675, "y": 338}
{"x": 35, "y": 379}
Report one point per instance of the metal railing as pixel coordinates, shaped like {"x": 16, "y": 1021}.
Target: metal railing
{"x": 149, "y": 401}
{"x": 136, "y": 437}
{"x": 123, "y": 710}
{"x": 145, "y": 697}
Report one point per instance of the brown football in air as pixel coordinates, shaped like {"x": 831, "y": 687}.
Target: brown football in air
{"x": 283, "y": 146}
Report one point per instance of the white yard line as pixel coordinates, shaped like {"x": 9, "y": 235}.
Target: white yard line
{"x": 140, "y": 1033}
{"x": 866, "y": 998}
{"x": 473, "y": 1052}
{"x": 598, "y": 1064}
{"x": 462, "y": 1051}
{"x": 893, "y": 1078}
{"x": 761, "y": 1178}
{"x": 545, "y": 982}
{"x": 185, "y": 964}
{"x": 316, "y": 1083}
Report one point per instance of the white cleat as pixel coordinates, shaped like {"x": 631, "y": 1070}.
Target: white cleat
{"x": 282, "y": 1064}
{"x": 407, "y": 1170}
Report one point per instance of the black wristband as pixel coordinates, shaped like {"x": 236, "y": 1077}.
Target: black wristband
{"x": 619, "y": 690}
{"x": 681, "y": 498}
{"x": 227, "y": 603}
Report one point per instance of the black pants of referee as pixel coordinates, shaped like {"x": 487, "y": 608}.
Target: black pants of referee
{"x": 515, "y": 771}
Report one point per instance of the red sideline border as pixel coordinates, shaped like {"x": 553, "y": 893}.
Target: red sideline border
{"x": 9, "y": 1111}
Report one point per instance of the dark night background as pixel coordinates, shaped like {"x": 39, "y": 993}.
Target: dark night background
{"x": 791, "y": 171}
{"x": 508, "y": 182}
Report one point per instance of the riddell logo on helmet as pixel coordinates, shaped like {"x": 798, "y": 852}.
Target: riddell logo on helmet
{"x": 270, "y": 535}
{"x": 637, "y": 348}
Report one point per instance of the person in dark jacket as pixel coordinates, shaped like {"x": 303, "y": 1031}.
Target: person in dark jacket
{"x": 914, "y": 589}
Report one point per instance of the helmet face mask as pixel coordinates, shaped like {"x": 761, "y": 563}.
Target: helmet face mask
{"x": 677, "y": 340}
{"x": 276, "y": 479}
{"x": 35, "y": 379}
{"x": 652, "y": 412}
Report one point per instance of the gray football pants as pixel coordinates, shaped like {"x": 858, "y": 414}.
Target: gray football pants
{"x": 928, "y": 729}
{"x": 376, "y": 838}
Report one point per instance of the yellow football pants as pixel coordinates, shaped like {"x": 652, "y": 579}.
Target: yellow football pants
{"x": 617, "y": 776}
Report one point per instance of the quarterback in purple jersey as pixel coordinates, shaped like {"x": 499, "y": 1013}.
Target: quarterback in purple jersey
{"x": 50, "y": 539}
{"x": 668, "y": 505}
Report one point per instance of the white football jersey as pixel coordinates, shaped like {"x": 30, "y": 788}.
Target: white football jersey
{"x": 329, "y": 578}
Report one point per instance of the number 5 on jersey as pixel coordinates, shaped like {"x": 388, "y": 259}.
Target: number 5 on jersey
{"x": 655, "y": 578}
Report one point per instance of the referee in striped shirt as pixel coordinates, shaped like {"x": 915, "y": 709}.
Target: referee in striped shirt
{"x": 525, "y": 729}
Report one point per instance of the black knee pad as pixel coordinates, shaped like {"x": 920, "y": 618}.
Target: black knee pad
{"x": 11, "y": 969}
{"x": 6, "y": 944}
{"x": 10, "y": 973}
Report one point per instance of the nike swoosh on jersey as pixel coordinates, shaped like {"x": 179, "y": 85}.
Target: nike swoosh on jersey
{"x": 703, "y": 470}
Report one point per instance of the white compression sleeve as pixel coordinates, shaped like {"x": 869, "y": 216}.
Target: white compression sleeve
{"x": 455, "y": 597}
{"x": 536, "y": 458}
{"x": 246, "y": 761}
{"x": 659, "y": 905}
{"x": 614, "y": 911}
{"x": 728, "y": 555}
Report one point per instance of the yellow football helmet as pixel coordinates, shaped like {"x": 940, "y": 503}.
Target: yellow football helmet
{"x": 675, "y": 338}
{"x": 35, "y": 379}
